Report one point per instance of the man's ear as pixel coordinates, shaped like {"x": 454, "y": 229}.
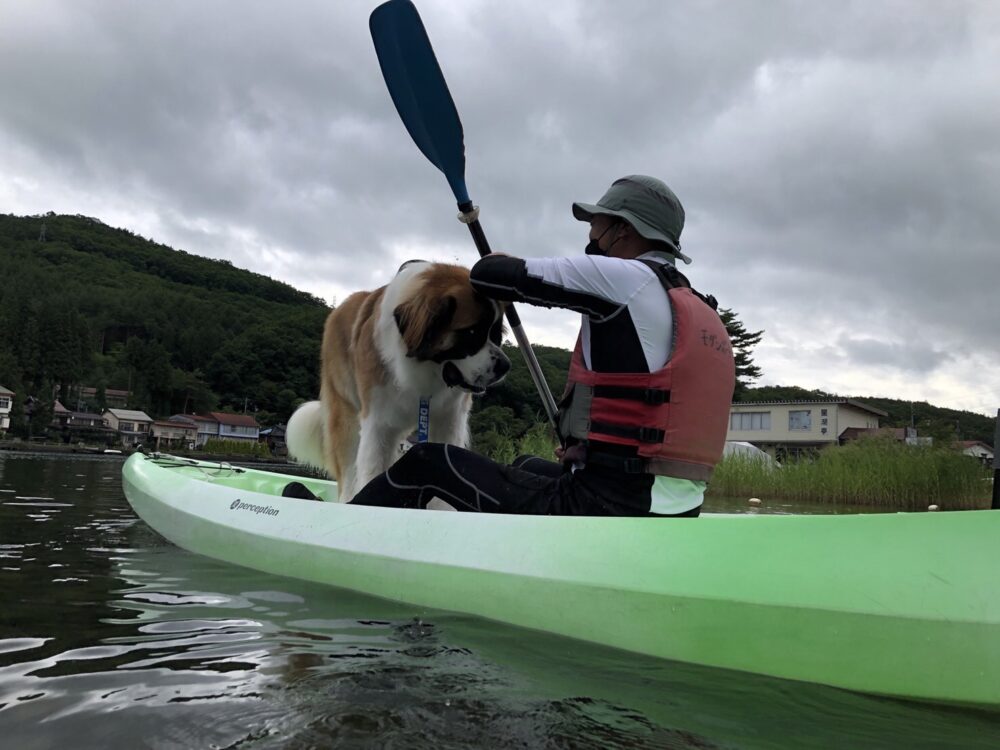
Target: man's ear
{"x": 421, "y": 321}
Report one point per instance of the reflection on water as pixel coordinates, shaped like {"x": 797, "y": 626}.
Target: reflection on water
{"x": 110, "y": 637}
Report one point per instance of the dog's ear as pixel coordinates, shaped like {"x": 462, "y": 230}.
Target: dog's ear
{"x": 408, "y": 262}
{"x": 499, "y": 330}
{"x": 421, "y": 321}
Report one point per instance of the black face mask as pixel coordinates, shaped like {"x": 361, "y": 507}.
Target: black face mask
{"x": 593, "y": 248}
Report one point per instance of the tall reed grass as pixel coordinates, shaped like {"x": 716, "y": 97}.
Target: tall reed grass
{"x": 867, "y": 472}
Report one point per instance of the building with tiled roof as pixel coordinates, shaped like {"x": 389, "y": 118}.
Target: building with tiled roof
{"x": 131, "y": 425}
{"x": 977, "y": 449}
{"x": 207, "y": 426}
{"x": 114, "y": 398}
{"x": 236, "y": 426}
{"x": 174, "y": 433}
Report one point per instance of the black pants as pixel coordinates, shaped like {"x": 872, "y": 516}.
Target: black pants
{"x": 471, "y": 482}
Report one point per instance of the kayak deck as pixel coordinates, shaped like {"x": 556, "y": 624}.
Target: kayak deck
{"x": 897, "y": 604}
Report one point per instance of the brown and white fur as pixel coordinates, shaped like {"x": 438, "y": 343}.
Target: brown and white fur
{"x": 427, "y": 333}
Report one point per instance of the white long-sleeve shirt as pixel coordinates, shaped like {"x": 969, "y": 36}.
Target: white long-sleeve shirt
{"x": 626, "y": 324}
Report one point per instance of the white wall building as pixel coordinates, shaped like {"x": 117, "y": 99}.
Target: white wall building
{"x": 793, "y": 426}
{"x": 132, "y": 426}
{"x": 977, "y": 449}
{"x": 173, "y": 433}
{"x": 6, "y": 404}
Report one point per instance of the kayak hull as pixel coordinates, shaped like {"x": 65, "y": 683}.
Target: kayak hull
{"x": 906, "y": 605}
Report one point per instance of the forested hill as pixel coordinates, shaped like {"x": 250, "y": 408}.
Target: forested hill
{"x": 47, "y": 235}
{"x": 931, "y": 421}
{"x": 82, "y": 303}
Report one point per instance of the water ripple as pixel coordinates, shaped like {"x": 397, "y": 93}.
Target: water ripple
{"x": 102, "y": 617}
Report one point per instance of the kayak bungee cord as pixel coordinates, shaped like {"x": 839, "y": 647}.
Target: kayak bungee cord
{"x": 174, "y": 462}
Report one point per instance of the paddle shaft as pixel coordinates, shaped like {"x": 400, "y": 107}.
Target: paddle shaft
{"x": 420, "y": 93}
{"x": 534, "y": 369}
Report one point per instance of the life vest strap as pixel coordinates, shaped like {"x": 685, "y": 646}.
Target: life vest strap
{"x": 652, "y": 396}
{"x": 627, "y": 464}
{"x": 642, "y": 434}
{"x": 671, "y": 278}
{"x": 640, "y": 465}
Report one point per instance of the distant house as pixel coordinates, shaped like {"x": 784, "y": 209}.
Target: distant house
{"x": 60, "y": 415}
{"x": 274, "y": 438}
{"x": 236, "y": 426}
{"x": 174, "y": 433}
{"x": 88, "y": 427}
{"x": 85, "y": 419}
{"x": 784, "y": 428}
{"x": 977, "y": 449}
{"x": 187, "y": 419}
{"x": 6, "y": 404}
{"x": 113, "y": 398}
{"x": 132, "y": 426}
{"x": 207, "y": 426}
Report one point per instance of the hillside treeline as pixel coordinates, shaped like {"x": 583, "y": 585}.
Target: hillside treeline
{"x": 82, "y": 303}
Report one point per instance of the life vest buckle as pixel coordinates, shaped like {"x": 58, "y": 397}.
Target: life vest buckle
{"x": 650, "y": 435}
{"x": 656, "y": 396}
{"x": 634, "y": 465}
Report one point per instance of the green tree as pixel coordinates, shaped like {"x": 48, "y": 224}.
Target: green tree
{"x": 18, "y": 422}
{"x": 744, "y": 342}
{"x": 42, "y": 411}
{"x": 66, "y": 351}
{"x": 191, "y": 394}
{"x": 10, "y": 370}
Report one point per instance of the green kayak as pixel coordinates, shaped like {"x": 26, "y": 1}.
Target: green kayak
{"x": 903, "y": 604}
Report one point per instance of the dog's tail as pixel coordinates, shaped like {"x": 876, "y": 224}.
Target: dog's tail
{"x": 304, "y": 435}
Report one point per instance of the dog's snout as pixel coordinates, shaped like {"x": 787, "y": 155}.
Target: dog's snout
{"x": 500, "y": 368}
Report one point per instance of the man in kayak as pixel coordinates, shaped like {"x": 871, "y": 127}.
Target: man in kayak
{"x": 646, "y": 408}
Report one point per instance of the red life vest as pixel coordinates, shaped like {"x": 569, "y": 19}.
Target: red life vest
{"x": 676, "y": 417}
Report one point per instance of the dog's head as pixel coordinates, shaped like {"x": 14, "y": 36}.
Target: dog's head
{"x": 444, "y": 320}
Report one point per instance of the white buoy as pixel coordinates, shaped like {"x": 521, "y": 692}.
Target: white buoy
{"x": 932, "y": 507}
{"x": 754, "y": 501}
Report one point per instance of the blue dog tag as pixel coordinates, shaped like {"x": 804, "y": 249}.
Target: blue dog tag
{"x": 423, "y": 419}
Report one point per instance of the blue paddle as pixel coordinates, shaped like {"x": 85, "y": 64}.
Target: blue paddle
{"x": 421, "y": 96}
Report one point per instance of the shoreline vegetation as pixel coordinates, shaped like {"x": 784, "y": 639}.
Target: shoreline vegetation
{"x": 873, "y": 471}
{"x": 876, "y": 472}
{"x": 213, "y": 450}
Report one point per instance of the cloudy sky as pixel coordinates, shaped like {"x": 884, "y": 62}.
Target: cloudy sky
{"x": 839, "y": 162}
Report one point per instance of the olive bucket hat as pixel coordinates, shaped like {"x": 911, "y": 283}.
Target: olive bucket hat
{"x": 647, "y": 204}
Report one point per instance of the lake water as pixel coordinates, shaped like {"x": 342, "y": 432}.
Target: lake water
{"x": 110, "y": 637}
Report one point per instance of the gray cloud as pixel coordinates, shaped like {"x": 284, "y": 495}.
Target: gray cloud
{"x": 915, "y": 357}
{"x": 839, "y": 163}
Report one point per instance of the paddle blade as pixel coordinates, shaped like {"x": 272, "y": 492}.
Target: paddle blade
{"x": 418, "y": 89}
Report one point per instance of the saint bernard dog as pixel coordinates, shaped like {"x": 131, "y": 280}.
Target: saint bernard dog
{"x": 426, "y": 335}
